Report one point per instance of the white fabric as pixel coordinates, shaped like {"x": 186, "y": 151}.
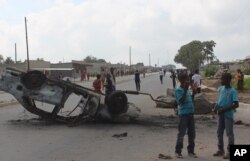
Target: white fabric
{"x": 197, "y": 80}
{"x": 161, "y": 72}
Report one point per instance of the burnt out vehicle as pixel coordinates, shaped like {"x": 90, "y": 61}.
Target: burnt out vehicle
{"x": 49, "y": 98}
{"x": 67, "y": 102}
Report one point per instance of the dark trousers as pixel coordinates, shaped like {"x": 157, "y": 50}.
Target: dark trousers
{"x": 174, "y": 83}
{"x": 240, "y": 84}
{"x": 137, "y": 85}
{"x": 186, "y": 124}
{"x": 225, "y": 123}
{"x": 161, "y": 78}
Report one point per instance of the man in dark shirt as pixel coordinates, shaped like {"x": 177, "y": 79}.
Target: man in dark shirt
{"x": 137, "y": 80}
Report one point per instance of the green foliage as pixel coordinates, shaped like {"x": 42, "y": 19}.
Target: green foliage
{"x": 247, "y": 83}
{"x": 202, "y": 73}
{"x": 210, "y": 70}
{"x": 1, "y": 59}
{"x": 246, "y": 71}
{"x": 8, "y": 61}
{"x": 195, "y": 53}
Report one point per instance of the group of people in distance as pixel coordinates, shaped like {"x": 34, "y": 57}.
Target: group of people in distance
{"x": 105, "y": 80}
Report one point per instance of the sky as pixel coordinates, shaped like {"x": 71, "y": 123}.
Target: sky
{"x": 65, "y": 30}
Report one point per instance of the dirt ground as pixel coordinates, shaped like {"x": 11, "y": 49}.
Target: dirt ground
{"x": 211, "y": 92}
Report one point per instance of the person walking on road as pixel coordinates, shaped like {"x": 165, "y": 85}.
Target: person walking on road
{"x": 225, "y": 108}
{"x": 173, "y": 76}
{"x": 137, "y": 80}
{"x": 186, "y": 117}
{"x": 161, "y": 73}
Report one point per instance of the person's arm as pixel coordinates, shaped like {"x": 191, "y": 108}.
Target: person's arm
{"x": 234, "y": 105}
{"x": 226, "y": 109}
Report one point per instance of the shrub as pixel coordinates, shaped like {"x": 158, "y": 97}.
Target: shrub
{"x": 246, "y": 83}
{"x": 246, "y": 71}
{"x": 210, "y": 70}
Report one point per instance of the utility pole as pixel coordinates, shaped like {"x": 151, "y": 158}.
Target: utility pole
{"x": 15, "y": 54}
{"x": 28, "y": 60}
{"x": 130, "y": 56}
{"x": 149, "y": 60}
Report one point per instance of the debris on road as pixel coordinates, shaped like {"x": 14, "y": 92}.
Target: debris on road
{"x": 163, "y": 156}
{"x": 202, "y": 104}
{"x": 125, "y": 134}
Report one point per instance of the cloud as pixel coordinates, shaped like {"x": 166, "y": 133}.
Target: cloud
{"x": 67, "y": 29}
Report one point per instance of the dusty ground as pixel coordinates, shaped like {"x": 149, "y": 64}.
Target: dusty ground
{"x": 25, "y": 137}
{"x": 244, "y": 96}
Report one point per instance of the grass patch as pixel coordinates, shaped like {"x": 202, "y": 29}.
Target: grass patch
{"x": 246, "y": 83}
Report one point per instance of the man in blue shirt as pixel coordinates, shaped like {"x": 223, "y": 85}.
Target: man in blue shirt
{"x": 227, "y": 102}
{"x": 186, "y": 117}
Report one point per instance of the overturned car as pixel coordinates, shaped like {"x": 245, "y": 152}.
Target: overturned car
{"x": 48, "y": 98}
{"x": 66, "y": 102}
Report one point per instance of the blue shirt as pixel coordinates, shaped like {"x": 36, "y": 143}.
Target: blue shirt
{"x": 226, "y": 98}
{"x": 187, "y": 107}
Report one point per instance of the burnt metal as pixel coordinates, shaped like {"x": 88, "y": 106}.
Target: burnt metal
{"x": 33, "y": 86}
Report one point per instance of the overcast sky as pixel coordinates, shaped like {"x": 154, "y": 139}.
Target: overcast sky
{"x": 65, "y": 30}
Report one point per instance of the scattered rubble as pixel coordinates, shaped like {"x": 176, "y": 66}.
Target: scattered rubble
{"x": 125, "y": 134}
{"x": 163, "y": 156}
{"x": 201, "y": 102}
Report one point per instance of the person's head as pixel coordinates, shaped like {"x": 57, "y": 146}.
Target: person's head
{"x": 196, "y": 71}
{"x": 226, "y": 79}
{"x": 136, "y": 71}
{"x": 98, "y": 76}
{"x": 238, "y": 70}
{"x": 183, "y": 78}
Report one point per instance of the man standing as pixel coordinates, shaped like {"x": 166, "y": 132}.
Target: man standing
{"x": 161, "y": 73}
{"x": 196, "y": 81}
{"x": 186, "y": 117}
{"x": 225, "y": 108}
{"x": 240, "y": 78}
{"x": 173, "y": 76}
{"x": 137, "y": 80}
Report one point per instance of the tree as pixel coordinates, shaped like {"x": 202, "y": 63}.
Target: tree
{"x": 208, "y": 50}
{"x": 39, "y": 59}
{"x": 8, "y": 61}
{"x": 195, "y": 53}
{"x": 1, "y": 59}
{"x": 91, "y": 59}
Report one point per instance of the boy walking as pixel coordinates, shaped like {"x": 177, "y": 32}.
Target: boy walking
{"x": 227, "y": 102}
{"x": 186, "y": 117}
